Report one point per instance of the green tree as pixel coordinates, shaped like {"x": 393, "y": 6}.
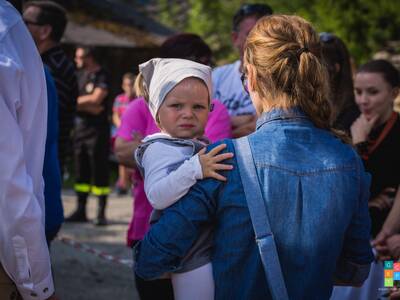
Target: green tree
{"x": 365, "y": 25}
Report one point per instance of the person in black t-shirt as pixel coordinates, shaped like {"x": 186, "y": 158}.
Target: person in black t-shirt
{"x": 92, "y": 135}
{"x": 47, "y": 20}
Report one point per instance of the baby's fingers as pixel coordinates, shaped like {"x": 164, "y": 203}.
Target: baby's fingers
{"x": 223, "y": 156}
{"x": 217, "y": 149}
{"x": 222, "y": 167}
{"x": 217, "y": 176}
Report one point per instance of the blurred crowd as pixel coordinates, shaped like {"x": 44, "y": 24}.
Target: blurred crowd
{"x": 57, "y": 109}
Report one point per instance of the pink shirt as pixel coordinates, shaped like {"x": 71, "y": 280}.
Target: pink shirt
{"x": 121, "y": 103}
{"x": 137, "y": 118}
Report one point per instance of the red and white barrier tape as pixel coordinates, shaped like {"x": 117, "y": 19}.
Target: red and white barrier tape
{"x": 103, "y": 255}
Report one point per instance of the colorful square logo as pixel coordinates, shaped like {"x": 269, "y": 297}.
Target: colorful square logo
{"x": 396, "y": 276}
{"x": 388, "y": 264}
{"x": 391, "y": 273}
{"x": 388, "y": 273}
{"x": 388, "y": 282}
{"x": 396, "y": 267}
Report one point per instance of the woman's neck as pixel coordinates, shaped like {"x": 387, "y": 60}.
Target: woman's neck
{"x": 384, "y": 118}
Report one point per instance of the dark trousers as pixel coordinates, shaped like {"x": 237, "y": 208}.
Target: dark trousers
{"x": 154, "y": 289}
{"x": 91, "y": 152}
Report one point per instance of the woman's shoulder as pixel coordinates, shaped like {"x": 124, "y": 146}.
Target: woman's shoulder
{"x": 228, "y": 142}
{"x": 139, "y": 104}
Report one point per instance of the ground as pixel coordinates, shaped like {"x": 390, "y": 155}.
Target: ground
{"x": 82, "y": 270}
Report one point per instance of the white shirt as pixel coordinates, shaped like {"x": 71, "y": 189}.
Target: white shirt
{"x": 165, "y": 184}
{"x": 228, "y": 89}
{"x": 23, "y": 115}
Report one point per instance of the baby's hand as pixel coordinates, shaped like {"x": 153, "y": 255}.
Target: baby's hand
{"x": 210, "y": 162}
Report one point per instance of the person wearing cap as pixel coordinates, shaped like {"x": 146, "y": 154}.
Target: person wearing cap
{"x": 226, "y": 79}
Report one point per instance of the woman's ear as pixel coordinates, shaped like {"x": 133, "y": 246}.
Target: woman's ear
{"x": 251, "y": 77}
{"x": 395, "y": 92}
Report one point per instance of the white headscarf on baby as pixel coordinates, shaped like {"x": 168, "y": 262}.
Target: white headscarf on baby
{"x": 161, "y": 75}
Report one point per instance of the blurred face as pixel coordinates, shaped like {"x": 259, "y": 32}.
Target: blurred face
{"x": 127, "y": 87}
{"x": 239, "y": 36}
{"x": 184, "y": 111}
{"x": 374, "y": 95}
{"x": 80, "y": 58}
{"x": 39, "y": 32}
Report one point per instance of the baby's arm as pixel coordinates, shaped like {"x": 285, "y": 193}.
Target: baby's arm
{"x": 162, "y": 186}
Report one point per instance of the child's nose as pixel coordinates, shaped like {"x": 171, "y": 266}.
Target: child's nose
{"x": 188, "y": 113}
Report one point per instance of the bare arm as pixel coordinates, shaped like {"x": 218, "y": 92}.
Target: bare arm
{"x": 97, "y": 97}
{"x": 116, "y": 119}
{"x": 92, "y": 108}
{"x": 392, "y": 223}
{"x": 124, "y": 150}
{"x": 389, "y": 228}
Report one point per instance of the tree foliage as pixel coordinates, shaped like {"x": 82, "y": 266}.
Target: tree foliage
{"x": 365, "y": 25}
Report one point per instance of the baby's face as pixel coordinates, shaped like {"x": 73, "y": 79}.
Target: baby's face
{"x": 184, "y": 112}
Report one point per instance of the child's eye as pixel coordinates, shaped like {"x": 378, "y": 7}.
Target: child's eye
{"x": 199, "y": 107}
{"x": 176, "y": 105}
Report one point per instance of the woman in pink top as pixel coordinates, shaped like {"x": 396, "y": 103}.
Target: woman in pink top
{"x": 137, "y": 122}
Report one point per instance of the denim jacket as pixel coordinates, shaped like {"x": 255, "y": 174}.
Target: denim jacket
{"x": 316, "y": 192}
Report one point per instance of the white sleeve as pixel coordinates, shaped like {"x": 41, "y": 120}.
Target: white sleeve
{"x": 162, "y": 186}
{"x": 24, "y": 253}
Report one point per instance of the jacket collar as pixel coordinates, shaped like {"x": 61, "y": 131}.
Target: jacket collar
{"x": 280, "y": 114}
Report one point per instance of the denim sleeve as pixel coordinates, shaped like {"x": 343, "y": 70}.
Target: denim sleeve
{"x": 169, "y": 240}
{"x": 354, "y": 263}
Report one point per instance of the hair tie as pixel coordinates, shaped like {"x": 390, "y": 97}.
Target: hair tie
{"x": 301, "y": 50}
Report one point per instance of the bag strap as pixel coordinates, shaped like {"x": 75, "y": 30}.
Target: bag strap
{"x": 259, "y": 218}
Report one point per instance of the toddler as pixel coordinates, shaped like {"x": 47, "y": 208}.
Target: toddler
{"x": 178, "y": 92}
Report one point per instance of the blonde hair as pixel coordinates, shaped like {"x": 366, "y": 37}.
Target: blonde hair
{"x": 130, "y": 76}
{"x": 285, "y": 54}
{"x": 140, "y": 87}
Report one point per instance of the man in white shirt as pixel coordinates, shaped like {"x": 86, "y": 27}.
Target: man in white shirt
{"x": 226, "y": 79}
{"x": 24, "y": 256}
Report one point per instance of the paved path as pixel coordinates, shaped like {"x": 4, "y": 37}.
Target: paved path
{"x": 82, "y": 275}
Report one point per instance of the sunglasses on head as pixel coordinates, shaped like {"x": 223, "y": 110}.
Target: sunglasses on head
{"x": 249, "y": 10}
{"x": 326, "y": 37}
